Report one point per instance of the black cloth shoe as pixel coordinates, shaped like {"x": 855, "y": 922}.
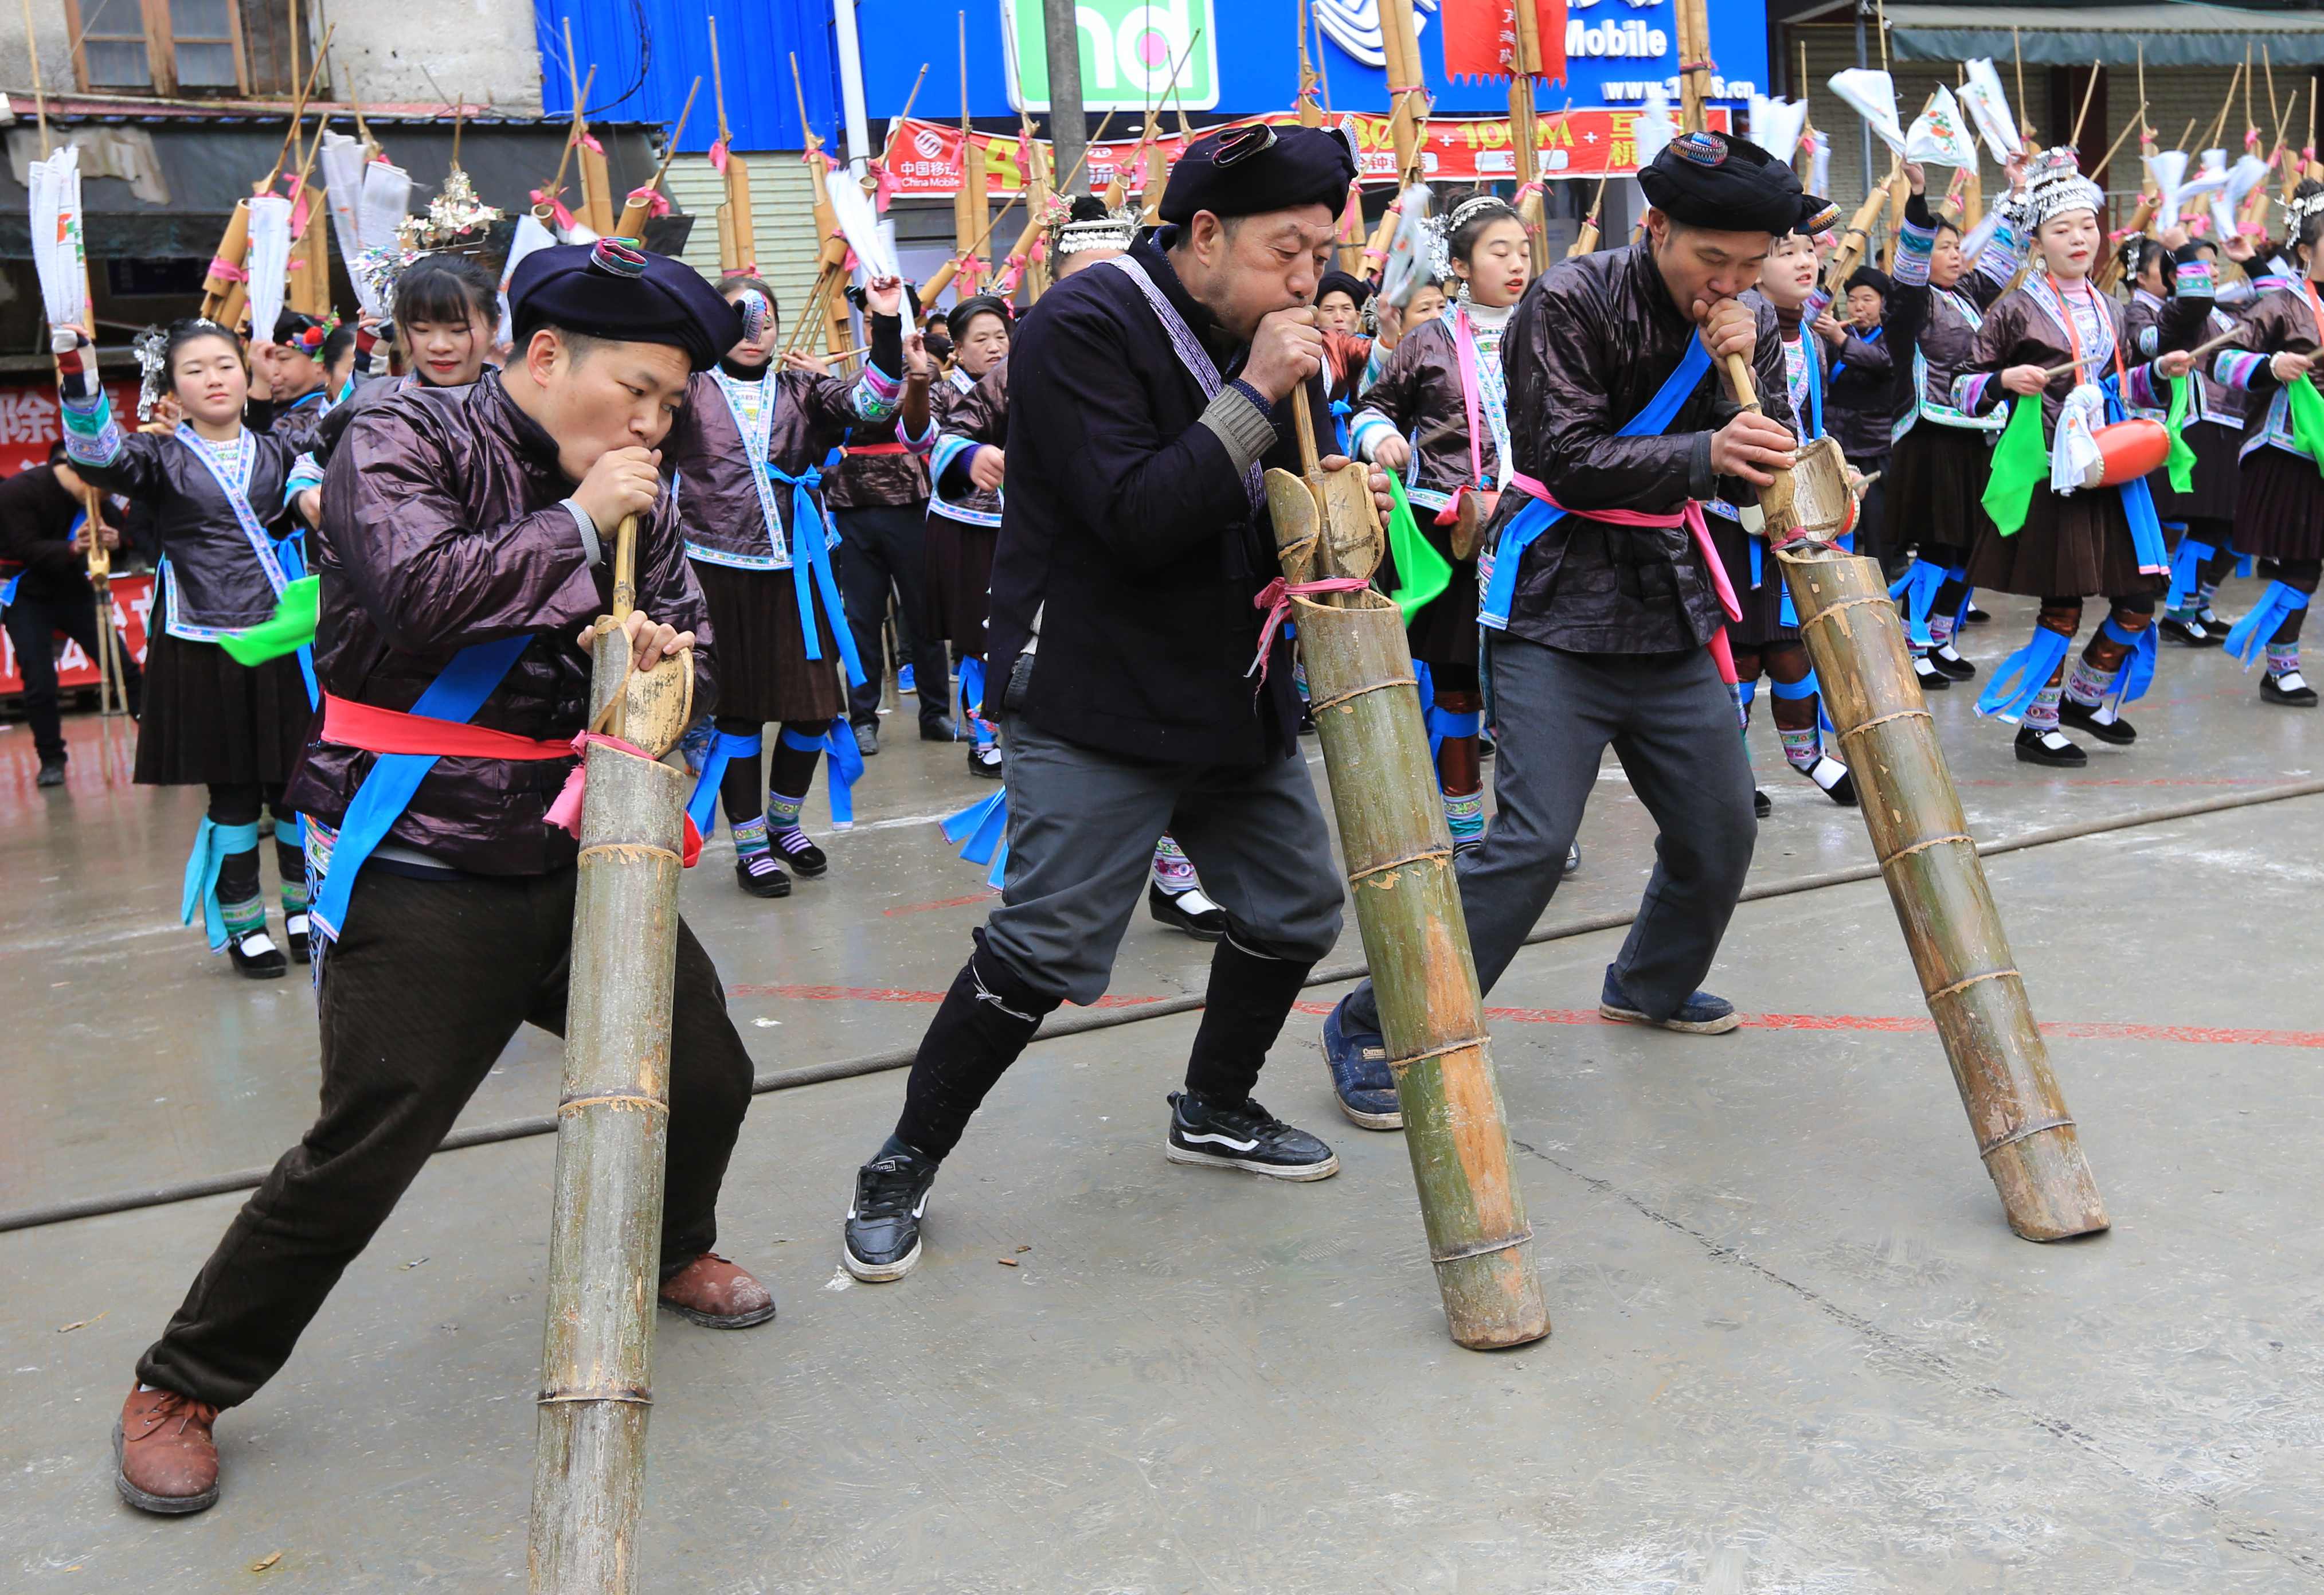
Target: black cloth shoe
{"x": 1245, "y": 1135}
{"x": 2290, "y": 692}
{"x": 2105, "y": 726}
{"x": 295, "y": 931}
{"x": 1931, "y": 678}
{"x": 759, "y": 874}
{"x": 805, "y": 858}
{"x": 1948, "y": 659}
{"x": 1189, "y": 911}
{"x": 52, "y": 772}
{"x": 1832, "y": 775}
{"x": 984, "y": 760}
{"x": 1974, "y": 616}
{"x": 937, "y": 729}
{"x": 2190, "y": 634}
{"x": 2049, "y": 747}
{"x": 256, "y": 957}
{"x": 1761, "y": 804}
{"x": 881, "y": 1240}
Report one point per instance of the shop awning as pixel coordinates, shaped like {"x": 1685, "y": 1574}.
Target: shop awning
{"x": 178, "y": 171}
{"x": 2187, "y": 35}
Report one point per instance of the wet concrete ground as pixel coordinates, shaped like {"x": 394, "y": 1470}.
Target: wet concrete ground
{"x": 1795, "y": 1347}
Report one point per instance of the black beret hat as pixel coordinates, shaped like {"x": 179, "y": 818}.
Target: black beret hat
{"x": 1873, "y": 278}
{"x": 1258, "y": 168}
{"x": 613, "y": 289}
{"x": 1336, "y": 282}
{"x": 956, "y": 320}
{"x": 1718, "y": 181}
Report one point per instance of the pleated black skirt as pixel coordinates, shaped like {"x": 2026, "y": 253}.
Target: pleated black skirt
{"x": 759, "y": 647}
{"x": 207, "y": 721}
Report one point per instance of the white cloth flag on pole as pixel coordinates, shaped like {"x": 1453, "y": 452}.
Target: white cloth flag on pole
{"x": 2248, "y": 173}
{"x": 269, "y": 262}
{"x": 857, "y": 220}
{"x": 1939, "y": 136}
{"x": 530, "y": 236}
{"x": 58, "y": 250}
{"x": 342, "y": 165}
{"x": 1872, "y": 95}
{"x": 1981, "y": 96}
{"x": 1776, "y": 126}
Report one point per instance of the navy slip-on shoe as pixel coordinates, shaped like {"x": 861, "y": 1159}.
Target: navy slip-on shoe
{"x": 1700, "y": 1015}
{"x": 1361, "y": 1077}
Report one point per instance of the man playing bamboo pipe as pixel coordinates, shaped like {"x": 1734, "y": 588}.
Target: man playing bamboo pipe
{"x": 1135, "y": 549}
{"x": 465, "y": 548}
{"x": 1603, "y": 620}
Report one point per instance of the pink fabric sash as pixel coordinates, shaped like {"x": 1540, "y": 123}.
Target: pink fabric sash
{"x": 1690, "y": 517}
{"x": 565, "y": 814}
{"x": 1275, "y": 599}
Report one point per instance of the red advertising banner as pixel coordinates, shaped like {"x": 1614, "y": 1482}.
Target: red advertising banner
{"x": 925, "y": 157}
{"x": 29, "y": 419}
{"x": 133, "y": 604}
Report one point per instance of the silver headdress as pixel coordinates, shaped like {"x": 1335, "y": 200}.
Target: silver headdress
{"x": 1115, "y": 230}
{"x": 2055, "y": 187}
{"x": 1441, "y": 229}
{"x": 152, "y": 346}
{"x": 2297, "y": 210}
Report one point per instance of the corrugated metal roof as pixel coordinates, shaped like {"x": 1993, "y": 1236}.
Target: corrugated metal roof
{"x": 648, "y": 53}
{"x": 2171, "y": 35}
{"x": 145, "y": 108}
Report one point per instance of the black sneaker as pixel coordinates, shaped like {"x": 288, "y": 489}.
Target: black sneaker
{"x": 984, "y": 760}
{"x": 256, "y": 957}
{"x": 759, "y": 874}
{"x": 1189, "y": 911}
{"x": 2099, "y": 722}
{"x": 2049, "y": 747}
{"x": 52, "y": 772}
{"x": 805, "y": 858}
{"x": 1245, "y": 1135}
{"x": 881, "y": 1240}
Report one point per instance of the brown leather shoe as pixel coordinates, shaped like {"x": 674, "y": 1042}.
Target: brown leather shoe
{"x": 163, "y": 1456}
{"x": 717, "y": 1294}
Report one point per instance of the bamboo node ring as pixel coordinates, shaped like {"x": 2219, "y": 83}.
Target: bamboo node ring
{"x": 1398, "y": 1065}
{"x": 629, "y": 1393}
{"x": 1434, "y": 855}
{"x": 1483, "y": 1248}
{"x": 1318, "y": 705}
{"x": 615, "y": 1099}
{"x": 1906, "y": 853}
{"x": 640, "y": 851}
{"x": 1829, "y": 611}
{"x": 2025, "y": 1132}
{"x": 1885, "y": 719}
{"x": 1958, "y": 987}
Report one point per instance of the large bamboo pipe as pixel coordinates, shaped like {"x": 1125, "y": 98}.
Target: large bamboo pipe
{"x": 597, "y": 1387}
{"x": 1398, "y": 856}
{"x": 1936, "y": 883}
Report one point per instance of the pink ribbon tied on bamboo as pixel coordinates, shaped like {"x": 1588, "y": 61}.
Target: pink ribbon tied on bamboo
{"x": 718, "y": 157}
{"x": 1275, "y": 599}
{"x": 656, "y": 202}
{"x": 565, "y": 814}
{"x": 556, "y": 208}
{"x": 226, "y": 271}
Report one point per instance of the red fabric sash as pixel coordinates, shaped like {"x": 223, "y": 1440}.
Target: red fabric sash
{"x": 858, "y": 450}
{"x": 375, "y": 730}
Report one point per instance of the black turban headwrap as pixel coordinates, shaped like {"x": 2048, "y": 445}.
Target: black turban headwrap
{"x": 957, "y": 318}
{"x": 613, "y": 289}
{"x": 1729, "y": 184}
{"x": 1875, "y": 278}
{"x": 1244, "y": 171}
{"x": 1355, "y": 287}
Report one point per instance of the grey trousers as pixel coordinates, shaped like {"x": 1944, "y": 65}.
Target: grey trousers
{"x": 1082, "y": 830}
{"x": 1671, "y": 721}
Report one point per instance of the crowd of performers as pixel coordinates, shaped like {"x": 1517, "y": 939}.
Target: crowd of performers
{"x": 1068, "y": 505}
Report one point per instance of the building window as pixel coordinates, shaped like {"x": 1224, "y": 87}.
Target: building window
{"x": 163, "y": 46}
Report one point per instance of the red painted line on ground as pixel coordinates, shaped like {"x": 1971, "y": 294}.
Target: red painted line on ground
{"x": 987, "y": 895}
{"x": 1889, "y": 1024}
{"x": 886, "y": 994}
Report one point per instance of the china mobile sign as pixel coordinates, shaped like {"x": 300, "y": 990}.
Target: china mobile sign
{"x": 925, "y": 157}
{"x": 1131, "y": 49}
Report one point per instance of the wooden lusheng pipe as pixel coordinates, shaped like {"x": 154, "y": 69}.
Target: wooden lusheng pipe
{"x": 1398, "y": 856}
{"x": 597, "y": 1364}
{"x": 1936, "y": 883}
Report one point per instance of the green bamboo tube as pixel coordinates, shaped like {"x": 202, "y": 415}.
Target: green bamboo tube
{"x": 613, "y": 1120}
{"x": 1399, "y": 862}
{"x": 1936, "y": 882}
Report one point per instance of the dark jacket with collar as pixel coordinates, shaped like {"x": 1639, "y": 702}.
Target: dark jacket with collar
{"x": 444, "y": 525}
{"x": 1592, "y": 341}
{"x": 1860, "y": 392}
{"x": 36, "y": 518}
{"x": 1128, "y": 541}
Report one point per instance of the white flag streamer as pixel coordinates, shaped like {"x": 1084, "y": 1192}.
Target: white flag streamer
{"x": 530, "y": 236}
{"x": 387, "y": 202}
{"x": 58, "y": 250}
{"x": 1872, "y": 95}
{"x": 2167, "y": 169}
{"x": 269, "y": 263}
{"x": 1939, "y": 136}
{"x": 341, "y": 164}
{"x": 1981, "y": 96}
{"x": 2248, "y": 173}
{"x": 1776, "y": 126}
{"x": 858, "y": 221}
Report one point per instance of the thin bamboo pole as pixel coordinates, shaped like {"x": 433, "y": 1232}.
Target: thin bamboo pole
{"x": 2089, "y": 93}
{"x": 1399, "y": 862}
{"x": 639, "y": 204}
{"x": 597, "y": 1388}
{"x": 1936, "y": 883}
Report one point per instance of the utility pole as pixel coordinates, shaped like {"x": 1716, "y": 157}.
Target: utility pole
{"x": 1863, "y": 10}
{"x": 1068, "y": 121}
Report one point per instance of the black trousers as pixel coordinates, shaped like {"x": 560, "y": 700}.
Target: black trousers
{"x": 418, "y": 1000}
{"x": 32, "y": 619}
{"x": 880, "y": 548}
